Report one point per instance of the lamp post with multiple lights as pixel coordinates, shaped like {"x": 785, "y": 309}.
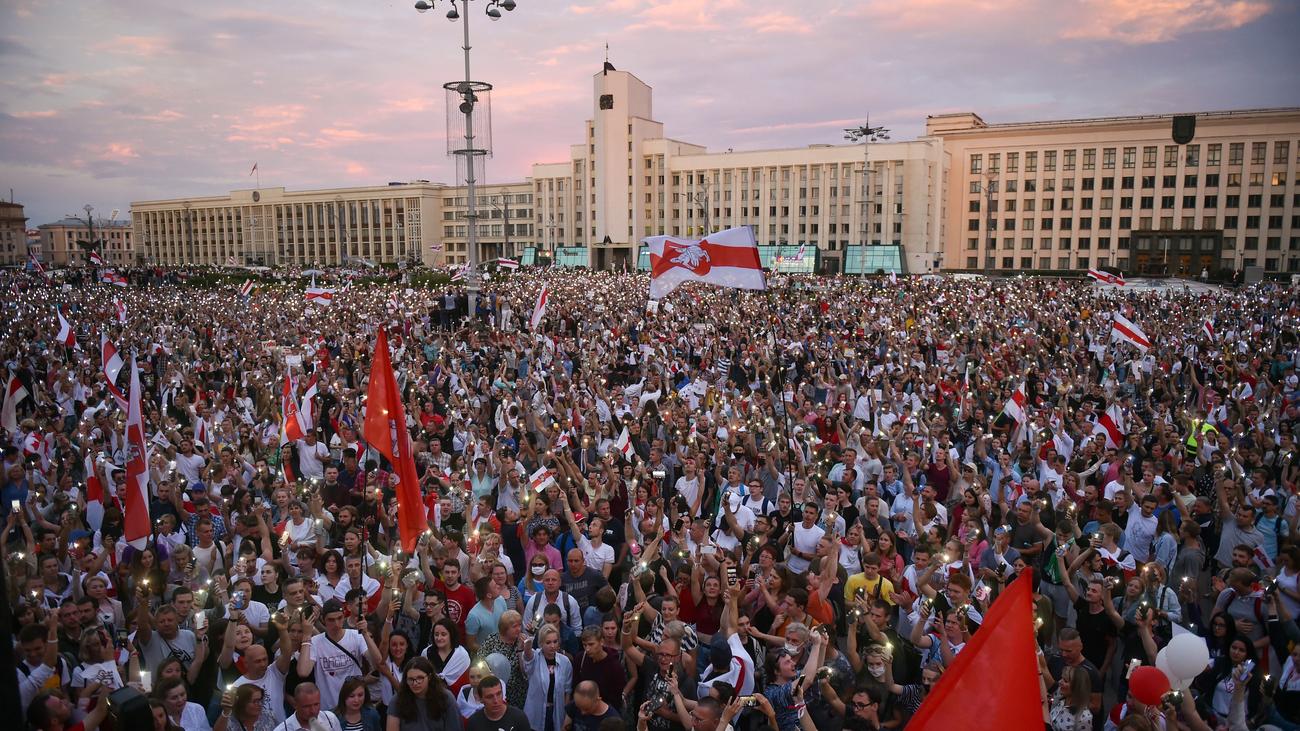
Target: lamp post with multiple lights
{"x": 866, "y": 134}
{"x": 468, "y": 91}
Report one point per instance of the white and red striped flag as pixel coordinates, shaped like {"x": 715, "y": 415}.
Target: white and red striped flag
{"x": 36, "y": 264}
{"x": 624, "y": 444}
{"x": 1207, "y": 327}
{"x": 95, "y": 497}
{"x": 305, "y": 410}
{"x": 110, "y": 365}
{"x": 539, "y": 309}
{"x": 66, "y": 335}
{"x": 120, "y": 307}
{"x": 320, "y": 295}
{"x": 541, "y": 479}
{"x": 135, "y": 503}
{"x": 511, "y": 264}
{"x": 230, "y": 261}
{"x": 1122, "y": 328}
{"x": 96, "y": 259}
{"x": 246, "y": 288}
{"x": 291, "y": 426}
{"x": 459, "y": 274}
{"x": 1015, "y": 406}
{"x": 726, "y": 259}
{"x": 1107, "y": 277}
{"x": 1112, "y": 425}
{"x": 15, "y": 391}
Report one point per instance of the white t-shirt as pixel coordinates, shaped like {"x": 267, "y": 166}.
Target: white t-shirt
{"x": 690, "y": 490}
{"x": 255, "y": 614}
{"x": 369, "y": 583}
{"x": 744, "y": 519}
{"x": 597, "y": 557}
{"x": 805, "y": 541}
{"x": 324, "y": 721}
{"x": 311, "y": 459}
{"x": 333, "y": 665}
{"x": 272, "y": 685}
{"x": 191, "y": 467}
{"x": 105, "y": 673}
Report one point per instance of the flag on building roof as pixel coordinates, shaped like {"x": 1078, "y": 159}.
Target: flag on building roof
{"x": 1106, "y": 277}
{"x": 726, "y": 259}
{"x": 1122, "y": 328}
{"x": 135, "y": 503}
{"x": 510, "y": 264}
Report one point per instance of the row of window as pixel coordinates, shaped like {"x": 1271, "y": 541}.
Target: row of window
{"x": 1272, "y": 223}
{"x": 1144, "y": 243}
{"x": 1212, "y": 180}
{"x": 1106, "y": 203}
{"x": 1271, "y": 264}
{"x": 1128, "y": 157}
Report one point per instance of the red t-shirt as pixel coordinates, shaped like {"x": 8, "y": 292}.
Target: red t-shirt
{"x": 459, "y": 602}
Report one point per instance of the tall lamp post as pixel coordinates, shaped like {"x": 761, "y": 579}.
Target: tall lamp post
{"x": 866, "y": 134}
{"x": 990, "y": 186}
{"x": 468, "y": 90}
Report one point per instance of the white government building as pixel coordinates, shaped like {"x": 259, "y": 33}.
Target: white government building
{"x": 1057, "y": 195}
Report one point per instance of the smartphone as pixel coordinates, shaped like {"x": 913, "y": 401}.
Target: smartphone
{"x": 982, "y": 593}
{"x": 708, "y": 550}
{"x": 731, "y": 574}
{"x": 121, "y": 638}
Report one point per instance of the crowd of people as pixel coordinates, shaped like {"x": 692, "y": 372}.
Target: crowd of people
{"x": 787, "y": 509}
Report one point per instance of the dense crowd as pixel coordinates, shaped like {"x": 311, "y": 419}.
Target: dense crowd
{"x": 788, "y": 509}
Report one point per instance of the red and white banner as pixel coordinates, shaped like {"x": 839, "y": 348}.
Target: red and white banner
{"x": 66, "y": 335}
{"x": 135, "y": 503}
{"x": 1207, "y": 327}
{"x": 510, "y": 264}
{"x": 1015, "y": 406}
{"x": 1124, "y": 329}
{"x": 623, "y": 445}
{"x": 320, "y": 295}
{"x": 246, "y": 288}
{"x": 120, "y": 307}
{"x": 460, "y": 273}
{"x": 110, "y": 365}
{"x": 113, "y": 278}
{"x": 726, "y": 259}
{"x": 96, "y": 259}
{"x": 1112, "y": 425}
{"x": 539, "y": 309}
{"x": 36, "y": 264}
{"x": 1107, "y": 277}
{"x": 305, "y": 411}
{"x": 291, "y": 429}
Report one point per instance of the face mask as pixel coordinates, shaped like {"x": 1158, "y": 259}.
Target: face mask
{"x": 538, "y": 570}
{"x": 877, "y": 671}
{"x": 792, "y": 650}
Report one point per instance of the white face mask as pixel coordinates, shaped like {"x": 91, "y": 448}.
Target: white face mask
{"x": 538, "y": 570}
{"x": 877, "y": 671}
{"x": 793, "y": 650}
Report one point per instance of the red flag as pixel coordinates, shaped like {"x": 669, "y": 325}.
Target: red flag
{"x": 135, "y": 504}
{"x": 993, "y": 683}
{"x": 292, "y": 429}
{"x": 385, "y": 430}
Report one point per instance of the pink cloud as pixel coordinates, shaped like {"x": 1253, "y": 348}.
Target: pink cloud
{"x": 166, "y": 115}
{"x": 269, "y": 117}
{"x": 42, "y": 114}
{"x": 1158, "y": 21}
{"x": 147, "y": 46}
{"x": 680, "y": 15}
{"x": 777, "y": 22}
{"x": 118, "y": 150}
{"x": 356, "y": 168}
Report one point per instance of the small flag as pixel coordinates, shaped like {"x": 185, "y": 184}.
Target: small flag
{"x": 1262, "y": 559}
{"x": 1207, "y": 327}
{"x": 120, "y": 307}
{"x": 96, "y": 259}
{"x": 1015, "y": 406}
{"x": 1112, "y": 425}
{"x": 113, "y": 278}
{"x": 230, "y": 261}
{"x": 539, "y": 310}
{"x": 541, "y": 479}
{"x": 36, "y": 264}
{"x": 1124, "y": 329}
{"x": 246, "y": 288}
{"x": 15, "y": 391}
{"x": 511, "y": 264}
{"x": 624, "y": 444}
{"x": 250, "y": 172}
{"x": 1107, "y": 277}
{"x": 110, "y": 365}
{"x": 459, "y": 274}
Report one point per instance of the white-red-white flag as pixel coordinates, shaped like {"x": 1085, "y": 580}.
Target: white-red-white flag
{"x": 66, "y": 334}
{"x": 95, "y": 494}
{"x": 305, "y": 410}
{"x": 15, "y": 391}
{"x": 96, "y": 259}
{"x": 320, "y": 295}
{"x": 1015, "y": 406}
{"x": 623, "y": 445}
{"x": 113, "y": 278}
{"x": 541, "y": 479}
{"x": 1207, "y": 327}
{"x": 120, "y": 307}
{"x": 36, "y": 264}
{"x": 1107, "y": 277}
{"x": 726, "y": 259}
{"x": 511, "y": 264}
{"x": 1112, "y": 425}
{"x": 1122, "y": 328}
{"x": 110, "y": 365}
{"x": 291, "y": 424}
{"x": 539, "y": 309}
{"x": 246, "y": 288}
{"x": 135, "y": 503}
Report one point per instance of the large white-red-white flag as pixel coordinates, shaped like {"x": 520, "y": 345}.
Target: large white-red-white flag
{"x": 320, "y": 295}
{"x": 15, "y": 391}
{"x": 305, "y": 411}
{"x": 66, "y": 335}
{"x": 1112, "y": 425}
{"x": 135, "y": 503}
{"x": 120, "y": 308}
{"x": 291, "y": 425}
{"x": 1122, "y": 328}
{"x": 726, "y": 259}
{"x": 1207, "y": 327}
{"x": 110, "y": 365}
{"x": 539, "y": 309}
{"x": 1107, "y": 277}
{"x": 1015, "y": 406}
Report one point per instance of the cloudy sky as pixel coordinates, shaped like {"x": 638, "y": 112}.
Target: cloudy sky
{"x": 109, "y": 102}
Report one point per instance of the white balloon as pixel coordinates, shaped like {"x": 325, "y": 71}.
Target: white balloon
{"x": 1187, "y": 655}
{"x": 1162, "y": 664}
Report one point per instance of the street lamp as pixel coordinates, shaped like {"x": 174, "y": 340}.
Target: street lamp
{"x": 989, "y": 186}
{"x": 469, "y": 93}
{"x": 866, "y": 134}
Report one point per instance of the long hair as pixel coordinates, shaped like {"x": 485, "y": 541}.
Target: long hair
{"x": 1080, "y": 689}
{"x": 349, "y": 687}
{"x": 244, "y": 698}
{"x": 436, "y": 697}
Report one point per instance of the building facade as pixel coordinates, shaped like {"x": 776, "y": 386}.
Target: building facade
{"x": 13, "y": 234}
{"x": 966, "y": 196}
{"x": 1121, "y": 192}
{"x": 59, "y": 242}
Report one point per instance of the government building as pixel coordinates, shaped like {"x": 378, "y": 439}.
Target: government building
{"x": 1160, "y": 194}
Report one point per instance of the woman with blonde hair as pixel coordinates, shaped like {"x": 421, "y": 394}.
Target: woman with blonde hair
{"x": 1069, "y": 704}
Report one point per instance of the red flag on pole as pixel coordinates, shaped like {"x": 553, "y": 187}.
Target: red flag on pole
{"x": 385, "y": 430}
{"x": 993, "y": 683}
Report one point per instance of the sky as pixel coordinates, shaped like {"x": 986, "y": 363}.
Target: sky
{"x": 107, "y": 102}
